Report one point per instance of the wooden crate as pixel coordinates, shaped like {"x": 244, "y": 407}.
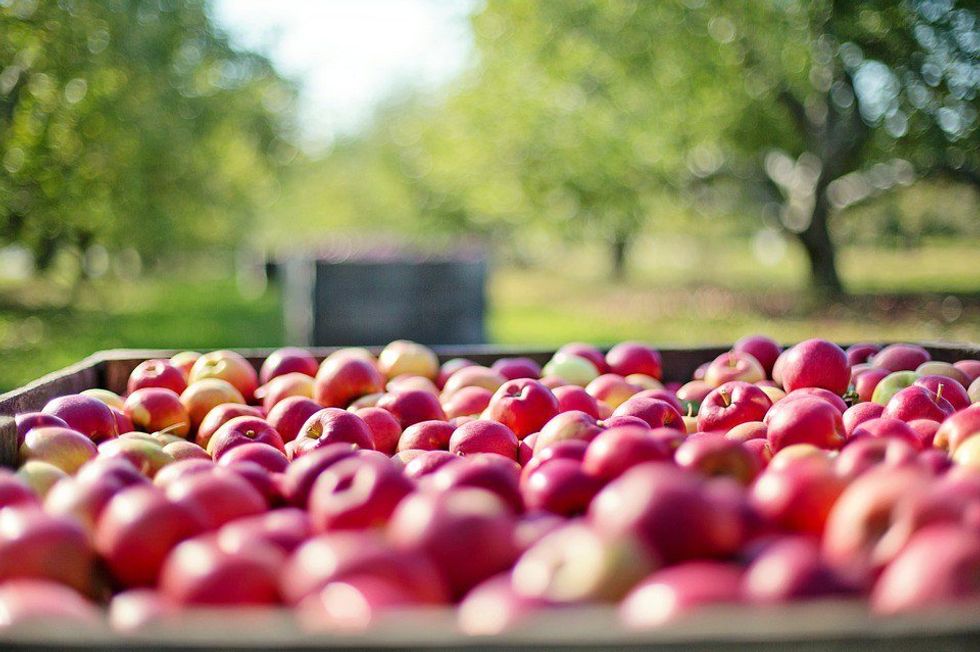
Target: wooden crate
{"x": 821, "y": 625}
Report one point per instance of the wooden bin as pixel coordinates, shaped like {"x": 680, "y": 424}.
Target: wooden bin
{"x": 819, "y": 625}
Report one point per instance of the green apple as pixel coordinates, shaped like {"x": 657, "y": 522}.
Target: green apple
{"x": 572, "y": 368}
{"x": 892, "y": 384}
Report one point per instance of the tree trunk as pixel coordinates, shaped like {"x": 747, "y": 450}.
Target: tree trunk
{"x": 820, "y": 250}
{"x": 619, "y": 251}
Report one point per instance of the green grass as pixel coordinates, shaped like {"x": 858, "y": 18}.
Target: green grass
{"x": 677, "y": 293}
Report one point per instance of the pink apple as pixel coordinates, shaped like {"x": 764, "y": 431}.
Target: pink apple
{"x": 157, "y": 373}
{"x": 514, "y": 368}
{"x": 748, "y": 431}
{"x": 816, "y": 363}
{"x": 156, "y": 409}
{"x": 385, "y": 431}
{"x": 303, "y": 472}
{"x": 863, "y": 453}
{"x": 806, "y": 420}
{"x": 866, "y": 382}
{"x": 925, "y": 430}
{"x": 473, "y": 376}
{"x": 287, "y": 360}
{"x": 330, "y": 426}
{"x": 611, "y": 389}
{"x": 282, "y": 387}
{"x": 36, "y": 545}
{"x": 451, "y": 366}
{"x": 635, "y": 358}
{"x": 561, "y": 487}
{"x": 219, "y": 416}
{"x": 479, "y": 472}
{"x": 674, "y": 592}
{"x": 146, "y": 455}
{"x": 13, "y": 491}
{"x": 958, "y": 428}
{"x": 731, "y": 404}
{"x": 270, "y": 458}
{"x": 523, "y": 405}
{"x": 712, "y": 454}
{"x": 355, "y": 494}
{"x": 427, "y": 435}
{"x": 87, "y": 415}
{"x": 467, "y": 401}
{"x": 137, "y": 609}
{"x": 969, "y": 368}
{"x": 791, "y": 568}
{"x": 484, "y": 436}
{"x": 859, "y": 413}
{"x": 567, "y": 425}
{"x": 412, "y": 407}
{"x": 619, "y": 448}
{"x": 886, "y": 428}
{"x": 199, "y": 572}
{"x": 760, "y": 347}
{"x": 494, "y": 607}
{"x": 243, "y": 430}
{"x": 27, "y": 420}
{"x": 655, "y": 412}
{"x": 573, "y": 397}
{"x": 428, "y": 462}
{"x": 36, "y": 604}
{"x": 217, "y": 496}
{"x": 917, "y": 402}
{"x": 733, "y": 365}
{"x": 184, "y": 361}
{"x": 285, "y": 528}
{"x": 571, "y": 449}
{"x": 692, "y": 393}
{"x": 860, "y": 353}
{"x": 901, "y": 357}
{"x": 289, "y": 415}
{"x": 799, "y": 496}
{"x": 947, "y": 388}
{"x": 818, "y": 392}
{"x": 342, "y": 380}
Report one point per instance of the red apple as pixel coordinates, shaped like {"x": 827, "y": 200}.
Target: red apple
{"x": 662, "y": 394}
{"x": 573, "y": 397}
{"x": 943, "y": 369}
{"x": 818, "y": 392}
{"x": 428, "y": 462}
{"x": 157, "y": 373}
{"x": 567, "y": 425}
{"x": 635, "y": 358}
{"x": 270, "y": 458}
{"x": 655, "y": 412}
{"x": 562, "y": 487}
{"x": 731, "y": 404}
{"x": 860, "y": 353}
{"x": 712, "y": 454}
{"x": 27, "y": 420}
{"x": 493, "y": 607}
{"x": 184, "y": 361}
{"x": 969, "y": 368}
{"x": 355, "y": 494}
{"x": 484, "y": 436}
{"x": 289, "y": 415}
{"x": 479, "y": 472}
{"x": 137, "y": 609}
{"x": 864, "y": 453}
{"x": 587, "y": 351}
{"x": 760, "y": 347}
{"x": 303, "y": 472}
{"x": 617, "y": 449}
{"x": 611, "y": 389}
{"x": 285, "y": 528}
{"x": 37, "y": 604}
{"x": 345, "y": 379}
{"x": 799, "y": 496}
{"x": 289, "y": 359}
{"x": 427, "y": 435}
{"x": 352, "y": 605}
{"x": 36, "y": 545}
{"x": 63, "y": 447}
{"x": 692, "y": 393}
{"x": 669, "y": 510}
{"x": 467, "y": 533}
{"x": 451, "y": 366}
{"x": 412, "y": 406}
{"x": 218, "y": 496}
{"x": 816, "y": 363}
{"x": 282, "y": 387}
{"x": 199, "y": 572}
{"x": 866, "y": 382}
{"x": 674, "y": 592}
{"x": 859, "y": 413}
{"x": 467, "y": 401}
{"x": 958, "y": 428}
{"x": 925, "y": 430}
{"x": 228, "y": 366}
{"x": 156, "y": 409}
{"x": 87, "y": 415}
{"x": 790, "y": 568}
{"x": 523, "y": 405}
{"x": 219, "y": 416}
{"x": 901, "y": 357}
{"x": 886, "y": 428}
{"x": 947, "y": 388}
{"x": 748, "y": 431}
{"x": 330, "y": 426}
{"x": 473, "y": 376}
{"x": 731, "y": 366}
{"x": 136, "y": 531}
{"x": 385, "y": 431}
{"x": 202, "y": 396}
{"x": 514, "y": 368}
{"x": 13, "y": 491}
{"x": 244, "y": 430}
{"x": 806, "y": 420}
{"x": 917, "y": 402}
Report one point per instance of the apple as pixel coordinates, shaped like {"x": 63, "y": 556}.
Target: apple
{"x": 184, "y": 361}
{"x": 567, "y": 425}
{"x": 748, "y": 431}
{"x": 944, "y": 369}
{"x": 973, "y": 391}
{"x": 790, "y": 454}
{"x": 514, "y": 368}
{"x": 270, "y": 458}
{"x": 655, "y": 412}
{"x": 901, "y": 357}
{"x": 147, "y": 456}
{"x": 385, "y": 431}
{"x": 87, "y": 415}
{"x": 157, "y": 373}
{"x": 14, "y": 491}
{"x": 886, "y": 428}
{"x": 947, "y": 388}
{"x": 478, "y": 472}
{"x": 938, "y": 567}
{"x": 472, "y": 376}
{"x": 733, "y": 366}
{"x": 467, "y": 533}
{"x": 578, "y": 563}
{"x": 243, "y": 430}
{"x": 406, "y": 357}
{"x": 611, "y": 389}
{"x": 791, "y": 568}
{"x": 350, "y": 352}
{"x": 669, "y": 510}
{"x": 285, "y": 528}
{"x": 799, "y": 496}
{"x": 925, "y": 430}
{"x": 289, "y": 415}
{"x": 805, "y": 420}
{"x": 202, "y": 396}
{"x": 199, "y": 572}
{"x": 663, "y": 395}
{"x": 35, "y": 604}
{"x": 818, "y": 392}
{"x": 967, "y": 454}
{"x": 111, "y": 399}
{"x": 289, "y": 359}
{"x": 760, "y": 347}
{"x": 484, "y": 436}
{"x": 451, "y": 366}
{"x": 816, "y": 363}
{"x": 573, "y": 397}
{"x": 619, "y": 448}
{"x": 339, "y": 555}
{"x": 572, "y": 449}
{"x": 672, "y": 593}
{"x": 858, "y": 414}
{"x": 467, "y": 401}
{"x": 494, "y": 607}
{"x": 282, "y": 387}
{"x": 185, "y": 450}
{"x": 219, "y": 416}
{"x": 891, "y": 384}
{"x": 635, "y": 358}
{"x": 330, "y": 426}
{"x": 352, "y": 605}
{"x": 65, "y": 448}
{"x": 958, "y": 428}
{"x": 36, "y": 545}
{"x": 713, "y": 454}
{"x": 355, "y": 494}
{"x": 228, "y": 366}
{"x": 156, "y": 409}
{"x": 866, "y": 382}
{"x": 864, "y": 453}
{"x": 918, "y": 402}
{"x": 28, "y": 420}
{"x": 405, "y": 382}
{"x": 860, "y": 353}
{"x": 427, "y": 435}
{"x": 302, "y": 472}
{"x": 692, "y": 393}
{"x": 411, "y": 407}
{"x": 181, "y": 469}
{"x": 428, "y": 462}
{"x": 217, "y": 496}
{"x": 731, "y": 404}
{"x": 137, "y": 609}
{"x": 562, "y": 487}
{"x": 83, "y": 497}
{"x": 523, "y": 405}
{"x": 342, "y": 380}
{"x": 573, "y": 369}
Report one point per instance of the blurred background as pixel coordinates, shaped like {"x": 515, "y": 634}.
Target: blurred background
{"x": 680, "y": 171}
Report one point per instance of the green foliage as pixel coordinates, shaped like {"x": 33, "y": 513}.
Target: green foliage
{"x": 132, "y": 123}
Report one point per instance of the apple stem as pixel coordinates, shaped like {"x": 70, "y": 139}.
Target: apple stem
{"x": 939, "y": 392}
{"x": 690, "y": 409}
{"x": 724, "y": 396}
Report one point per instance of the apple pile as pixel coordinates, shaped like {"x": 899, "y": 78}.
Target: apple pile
{"x": 349, "y": 488}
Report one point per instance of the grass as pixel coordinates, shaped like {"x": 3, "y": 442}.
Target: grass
{"x": 677, "y": 293}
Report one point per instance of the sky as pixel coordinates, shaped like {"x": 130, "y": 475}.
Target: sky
{"x": 349, "y": 55}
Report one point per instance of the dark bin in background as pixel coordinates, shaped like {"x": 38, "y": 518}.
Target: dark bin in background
{"x": 343, "y": 296}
